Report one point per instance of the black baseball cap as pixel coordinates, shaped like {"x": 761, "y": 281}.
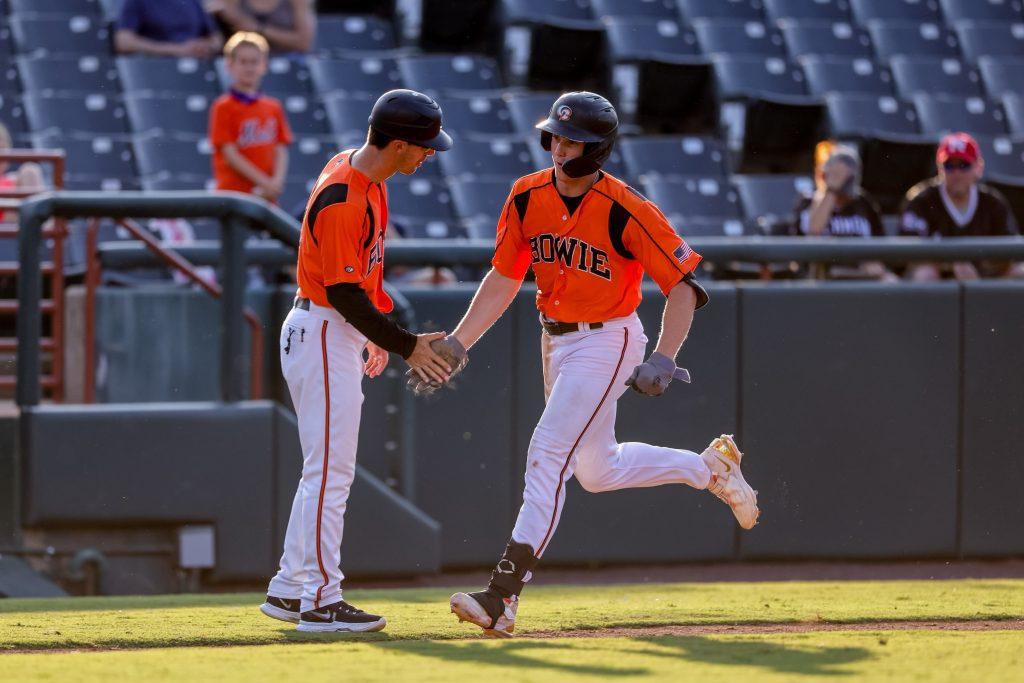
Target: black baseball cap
{"x": 410, "y": 116}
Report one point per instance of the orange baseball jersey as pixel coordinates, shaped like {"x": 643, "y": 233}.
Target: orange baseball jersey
{"x": 588, "y": 263}
{"x": 343, "y": 234}
{"x": 256, "y": 125}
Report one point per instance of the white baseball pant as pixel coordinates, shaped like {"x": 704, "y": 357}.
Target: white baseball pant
{"x": 322, "y": 361}
{"x": 584, "y": 376}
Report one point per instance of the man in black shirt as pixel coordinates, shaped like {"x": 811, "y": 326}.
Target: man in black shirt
{"x": 840, "y": 208}
{"x": 956, "y": 204}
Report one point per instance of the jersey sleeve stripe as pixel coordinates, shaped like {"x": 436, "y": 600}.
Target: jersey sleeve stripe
{"x": 671, "y": 260}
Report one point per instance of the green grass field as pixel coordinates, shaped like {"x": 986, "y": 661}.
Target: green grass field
{"x": 224, "y": 637}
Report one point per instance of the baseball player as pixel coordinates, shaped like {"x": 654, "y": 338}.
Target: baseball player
{"x": 589, "y": 238}
{"x": 338, "y": 314}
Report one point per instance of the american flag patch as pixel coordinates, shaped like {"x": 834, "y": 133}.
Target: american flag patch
{"x": 682, "y": 253}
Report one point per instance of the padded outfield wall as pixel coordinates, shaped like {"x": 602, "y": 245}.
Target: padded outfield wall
{"x": 878, "y": 421}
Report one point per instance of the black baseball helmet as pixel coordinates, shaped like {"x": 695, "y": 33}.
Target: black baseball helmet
{"x": 410, "y": 116}
{"x": 584, "y": 117}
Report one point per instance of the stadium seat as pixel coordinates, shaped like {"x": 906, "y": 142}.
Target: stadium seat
{"x": 163, "y": 75}
{"x": 545, "y": 39}
{"x": 1013, "y": 105}
{"x": 528, "y": 107}
{"x": 284, "y": 77}
{"x": 173, "y": 155}
{"x": 982, "y": 10}
{"x": 990, "y": 40}
{"x": 69, "y": 35}
{"x": 1002, "y": 75}
{"x": 674, "y": 157}
{"x": 942, "y": 114}
{"x": 97, "y": 156}
{"x": 805, "y": 38}
{"x": 179, "y": 113}
{"x": 366, "y": 75}
{"x": 72, "y": 7}
{"x": 336, "y": 35}
{"x": 913, "y": 39}
{"x": 839, "y": 74}
{"x": 306, "y": 115}
{"x": 308, "y": 155}
{"x": 927, "y": 75}
{"x": 65, "y": 75}
{"x": 703, "y": 227}
{"x": 693, "y": 198}
{"x": 737, "y": 37}
{"x": 1004, "y": 157}
{"x": 436, "y": 74}
{"x": 487, "y": 158}
{"x": 102, "y": 184}
{"x": 746, "y": 10}
{"x": 420, "y": 197}
{"x": 868, "y": 116}
{"x": 771, "y": 198}
{"x": 12, "y": 114}
{"x": 652, "y": 9}
{"x": 441, "y": 26}
{"x": 479, "y": 202}
{"x": 165, "y": 181}
{"x": 477, "y": 114}
{"x": 815, "y": 10}
{"x": 84, "y": 113}
{"x": 9, "y": 78}
{"x": 414, "y": 227}
{"x": 348, "y": 114}
{"x": 920, "y": 11}
{"x": 638, "y": 38}
{"x": 295, "y": 196}
{"x": 743, "y": 77}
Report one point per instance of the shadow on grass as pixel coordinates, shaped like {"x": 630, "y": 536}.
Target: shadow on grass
{"x": 808, "y": 660}
{"x": 590, "y": 653}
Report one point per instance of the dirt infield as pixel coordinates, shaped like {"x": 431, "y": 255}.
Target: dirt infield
{"x": 797, "y": 627}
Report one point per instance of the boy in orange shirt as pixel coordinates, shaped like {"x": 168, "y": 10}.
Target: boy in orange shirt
{"x": 248, "y": 130}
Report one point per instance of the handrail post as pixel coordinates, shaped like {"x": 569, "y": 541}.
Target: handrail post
{"x": 92, "y": 283}
{"x": 29, "y": 320}
{"x": 232, "y": 359}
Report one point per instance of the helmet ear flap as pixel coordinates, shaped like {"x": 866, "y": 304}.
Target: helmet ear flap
{"x": 545, "y": 140}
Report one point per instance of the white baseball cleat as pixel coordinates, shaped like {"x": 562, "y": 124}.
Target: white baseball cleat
{"x": 723, "y": 459}
{"x": 477, "y": 608}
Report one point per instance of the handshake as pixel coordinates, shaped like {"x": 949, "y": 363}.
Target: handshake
{"x": 435, "y": 362}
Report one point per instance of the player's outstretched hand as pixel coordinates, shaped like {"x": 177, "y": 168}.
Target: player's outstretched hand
{"x": 652, "y": 377}
{"x": 453, "y": 353}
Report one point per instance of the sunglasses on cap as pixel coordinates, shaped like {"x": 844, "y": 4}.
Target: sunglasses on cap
{"x": 956, "y": 165}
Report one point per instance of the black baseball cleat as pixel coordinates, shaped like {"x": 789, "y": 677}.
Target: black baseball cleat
{"x": 283, "y": 609}
{"x": 340, "y": 616}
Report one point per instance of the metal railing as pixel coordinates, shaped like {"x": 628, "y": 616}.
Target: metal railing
{"x": 11, "y": 200}
{"x": 238, "y": 214}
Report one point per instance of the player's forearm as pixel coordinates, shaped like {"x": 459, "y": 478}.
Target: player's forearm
{"x": 280, "y": 163}
{"x": 244, "y": 167}
{"x": 676, "y": 319}
{"x": 494, "y": 295}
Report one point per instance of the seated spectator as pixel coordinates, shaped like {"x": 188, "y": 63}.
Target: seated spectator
{"x": 288, "y": 25}
{"x": 28, "y": 176}
{"x": 840, "y": 208}
{"x": 248, "y": 130}
{"x": 166, "y": 28}
{"x": 956, "y": 204}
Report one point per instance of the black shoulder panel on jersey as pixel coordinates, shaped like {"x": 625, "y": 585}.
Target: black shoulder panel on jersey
{"x": 522, "y": 200}
{"x": 335, "y": 193}
{"x": 370, "y": 219}
{"x": 617, "y": 219}
{"x": 637, "y": 193}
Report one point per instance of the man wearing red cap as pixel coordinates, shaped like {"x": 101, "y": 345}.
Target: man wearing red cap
{"x": 955, "y": 204}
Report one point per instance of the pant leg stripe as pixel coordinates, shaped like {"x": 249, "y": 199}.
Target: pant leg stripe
{"x": 568, "y": 458}
{"x": 323, "y": 474}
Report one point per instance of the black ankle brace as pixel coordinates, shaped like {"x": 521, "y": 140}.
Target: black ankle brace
{"x": 507, "y": 576}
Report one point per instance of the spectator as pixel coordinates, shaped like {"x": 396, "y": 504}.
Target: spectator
{"x": 166, "y": 28}
{"x": 28, "y": 176}
{"x": 955, "y": 204}
{"x": 840, "y": 208}
{"x": 248, "y": 130}
{"x": 288, "y": 25}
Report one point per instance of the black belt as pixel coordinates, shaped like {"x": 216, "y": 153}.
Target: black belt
{"x": 301, "y": 302}
{"x": 553, "y": 327}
